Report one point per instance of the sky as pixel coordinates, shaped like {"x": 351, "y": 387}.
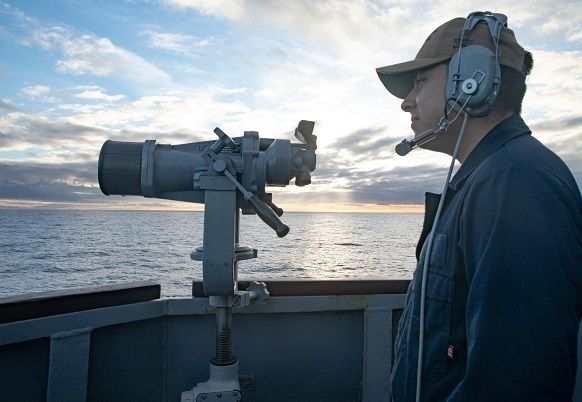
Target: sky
{"x": 75, "y": 73}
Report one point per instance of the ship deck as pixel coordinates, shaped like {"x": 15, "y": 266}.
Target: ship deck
{"x": 313, "y": 340}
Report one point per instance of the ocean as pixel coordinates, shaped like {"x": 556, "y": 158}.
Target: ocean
{"x": 44, "y": 250}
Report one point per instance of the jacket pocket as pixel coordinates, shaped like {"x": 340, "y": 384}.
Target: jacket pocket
{"x": 437, "y": 313}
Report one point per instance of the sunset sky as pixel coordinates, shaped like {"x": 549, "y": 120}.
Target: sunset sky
{"x": 75, "y": 73}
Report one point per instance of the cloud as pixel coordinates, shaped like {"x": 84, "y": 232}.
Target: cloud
{"x": 99, "y": 56}
{"x": 6, "y": 105}
{"x": 45, "y": 93}
{"x": 23, "y": 175}
{"x": 562, "y": 135}
{"x": 97, "y": 93}
{"x": 38, "y": 92}
{"x": 551, "y": 104}
{"x": 83, "y": 53}
{"x": 367, "y": 142}
{"x": 264, "y": 65}
{"x": 365, "y": 24}
{"x": 556, "y": 71}
{"x": 48, "y": 191}
{"x": 20, "y": 131}
{"x": 563, "y": 22}
{"x": 177, "y": 42}
{"x": 220, "y": 8}
{"x": 570, "y": 123}
{"x": 327, "y": 22}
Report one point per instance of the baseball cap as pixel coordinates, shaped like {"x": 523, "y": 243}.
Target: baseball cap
{"x": 441, "y": 45}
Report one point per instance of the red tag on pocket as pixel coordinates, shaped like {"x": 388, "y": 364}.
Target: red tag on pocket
{"x": 451, "y": 352}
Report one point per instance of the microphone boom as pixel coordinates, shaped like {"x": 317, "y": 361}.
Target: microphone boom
{"x": 408, "y": 145}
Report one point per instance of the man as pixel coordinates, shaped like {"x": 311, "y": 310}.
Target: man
{"x": 503, "y": 288}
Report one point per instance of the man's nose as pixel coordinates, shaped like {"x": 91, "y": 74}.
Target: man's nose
{"x": 408, "y": 103}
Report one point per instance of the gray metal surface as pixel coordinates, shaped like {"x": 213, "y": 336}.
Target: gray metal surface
{"x": 314, "y": 348}
{"x": 307, "y": 348}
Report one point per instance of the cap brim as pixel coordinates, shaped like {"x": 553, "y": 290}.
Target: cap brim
{"x": 398, "y": 78}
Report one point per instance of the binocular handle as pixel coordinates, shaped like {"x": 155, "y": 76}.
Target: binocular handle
{"x": 265, "y": 212}
{"x": 268, "y": 216}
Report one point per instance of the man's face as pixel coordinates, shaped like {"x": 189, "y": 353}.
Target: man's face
{"x": 426, "y": 105}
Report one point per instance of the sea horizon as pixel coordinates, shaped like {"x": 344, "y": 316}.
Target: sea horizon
{"x": 54, "y": 249}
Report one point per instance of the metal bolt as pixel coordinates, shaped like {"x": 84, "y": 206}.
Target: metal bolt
{"x": 219, "y": 165}
{"x": 219, "y": 395}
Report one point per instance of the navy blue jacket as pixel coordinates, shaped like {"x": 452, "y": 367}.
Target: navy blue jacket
{"x": 504, "y": 286}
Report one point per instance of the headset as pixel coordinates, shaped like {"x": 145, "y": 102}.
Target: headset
{"x": 473, "y": 79}
{"x": 472, "y": 85}
{"x": 474, "y": 71}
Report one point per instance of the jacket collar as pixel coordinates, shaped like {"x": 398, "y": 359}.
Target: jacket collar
{"x": 508, "y": 129}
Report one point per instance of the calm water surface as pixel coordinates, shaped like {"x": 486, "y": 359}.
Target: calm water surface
{"x": 56, "y": 249}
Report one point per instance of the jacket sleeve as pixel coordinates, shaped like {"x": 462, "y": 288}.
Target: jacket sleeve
{"x": 521, "y": 241}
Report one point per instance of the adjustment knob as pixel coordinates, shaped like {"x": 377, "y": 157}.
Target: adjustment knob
{"x": 469, "y": 86}
{"x": 258, "y": 292}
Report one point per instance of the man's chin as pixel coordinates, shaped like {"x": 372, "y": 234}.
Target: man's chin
{"x": 436, "y": 147}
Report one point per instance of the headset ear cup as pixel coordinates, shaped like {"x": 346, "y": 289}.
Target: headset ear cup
{"x": 473, "y": 80}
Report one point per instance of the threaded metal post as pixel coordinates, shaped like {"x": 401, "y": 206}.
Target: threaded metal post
{"x": 224, "y": 337}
